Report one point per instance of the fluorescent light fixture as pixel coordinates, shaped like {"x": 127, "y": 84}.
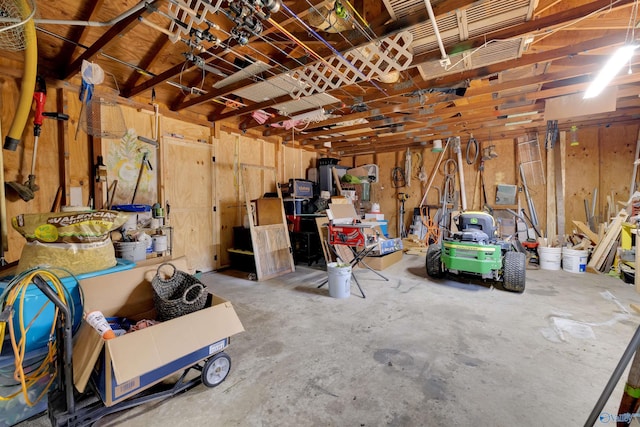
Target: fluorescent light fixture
{"x": 521, "y": 122}
{"x": 610, "y": 69}
{"x": 528, "y": 113}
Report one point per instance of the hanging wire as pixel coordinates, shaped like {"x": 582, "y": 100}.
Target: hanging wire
{"x": 269, "y": 71}
{"x": 326, "y": 43}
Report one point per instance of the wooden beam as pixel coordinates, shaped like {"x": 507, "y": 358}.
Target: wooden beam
{"x": 114, "y": 32}
{"x": 78, "y": 35}
{"x": 520, "y": 30}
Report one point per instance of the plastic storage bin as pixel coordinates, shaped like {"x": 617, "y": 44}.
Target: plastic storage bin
{"x": 34, "y": 299}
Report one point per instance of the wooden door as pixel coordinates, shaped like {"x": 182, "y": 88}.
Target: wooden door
{"x": 188, "y": 169}
{"x": 271, "y": 244}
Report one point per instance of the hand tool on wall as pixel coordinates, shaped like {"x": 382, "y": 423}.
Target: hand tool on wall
{"x": 26, "y": 191}
{"x": 145, "y": 162}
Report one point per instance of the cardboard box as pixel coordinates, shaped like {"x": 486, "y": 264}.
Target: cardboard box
{"x": 374, "y": 216}
{"x": 131, "y": 363}
{"x": 298, "y": 188}
{"x": 386, "y": 246}
{"x": 383, "y": 261}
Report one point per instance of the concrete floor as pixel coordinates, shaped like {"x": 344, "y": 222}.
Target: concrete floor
{"x": 415, "y": 352}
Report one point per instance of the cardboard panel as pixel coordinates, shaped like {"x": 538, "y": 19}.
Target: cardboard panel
{"x": 563, "y": 107}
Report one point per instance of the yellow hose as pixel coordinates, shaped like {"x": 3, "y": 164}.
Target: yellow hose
{"x": 28, "y": 81}
{"x": 15, "y": 296}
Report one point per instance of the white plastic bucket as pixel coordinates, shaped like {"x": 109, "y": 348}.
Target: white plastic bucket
{"x": 550, "y": 258}
{"x": 339, "y": 280}
{"x": 159, "y": 242}
{"x": 131, "y": 251}
{"x": 574, "y": 261}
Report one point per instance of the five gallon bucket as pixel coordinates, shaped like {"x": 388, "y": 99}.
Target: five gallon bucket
{"x": 131, "y": 251}
{"x": 550, "y": 258}
{"x": 574, "y": 261}
{"x": 339, "y": 280}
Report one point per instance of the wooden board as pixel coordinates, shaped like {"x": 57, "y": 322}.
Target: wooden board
{"x": 552, "y": 228}
{"x": 324, "y": 239}
{"x": 271, "y": 245}
{"x": 601, "y": 252}
{"x": 584, "y": 228}
{"x": 188, "y": 188}
{"x": 560, "y": 172}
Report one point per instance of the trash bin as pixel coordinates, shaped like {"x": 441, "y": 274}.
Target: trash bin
{"x": 339, "y": 280}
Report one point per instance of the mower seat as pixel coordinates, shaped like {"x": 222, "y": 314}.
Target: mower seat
{"x": 474, "y": 221}
{"x": 472, "y": 236}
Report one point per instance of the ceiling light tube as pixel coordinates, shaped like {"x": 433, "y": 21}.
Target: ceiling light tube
{"x": 610, "y": 69}
{"x": 528, "y": 113}
{"x": 521, "y": 122}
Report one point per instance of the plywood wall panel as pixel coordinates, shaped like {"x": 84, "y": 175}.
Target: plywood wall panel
{"x": 231, "y": 151}
{"x": 617, "y": 151}
{"x": 17, "y": 164}
{"x": 582, "y": 176}
{"x": 227, "y": 177}
{"x": 186, "y": 130}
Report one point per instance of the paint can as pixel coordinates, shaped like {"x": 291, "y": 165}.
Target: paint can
{"x": 131, "y": 251}
{"x": 550, "y": 258}
{"x": 437, "y": 146}
{"x": 160, "y": 242}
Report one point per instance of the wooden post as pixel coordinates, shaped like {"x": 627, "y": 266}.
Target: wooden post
{"x": 559, "y": 161}
{"x": 637, "y": 263}
{"x": 551, "y": 195}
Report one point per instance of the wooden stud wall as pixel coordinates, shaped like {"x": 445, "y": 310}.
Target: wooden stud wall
{"x": 603, "y": 159}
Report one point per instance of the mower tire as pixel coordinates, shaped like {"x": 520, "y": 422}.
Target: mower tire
{"x": 514, "y": 271}
{"x": 434, "y": 264}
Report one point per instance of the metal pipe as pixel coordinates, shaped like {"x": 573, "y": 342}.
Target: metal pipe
{"x": 432, "y": 17}
{"x": 615, "y": 377}
{"x": 65, "y": 369}
{"x": 458, "y": 150}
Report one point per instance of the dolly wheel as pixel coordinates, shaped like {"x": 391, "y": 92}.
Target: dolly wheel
{"x": 216, "y": 369}
{"x": 434, "y": 263}
{"x": 514, "y": 271}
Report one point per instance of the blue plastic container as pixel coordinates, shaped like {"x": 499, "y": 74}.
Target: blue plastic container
{"x": 16, "y": 410}
{"x": 34, "y": 299}
{"x": 382, "y": 223}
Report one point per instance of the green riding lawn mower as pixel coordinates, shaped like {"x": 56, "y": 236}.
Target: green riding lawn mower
{"x": 475, "y": 249}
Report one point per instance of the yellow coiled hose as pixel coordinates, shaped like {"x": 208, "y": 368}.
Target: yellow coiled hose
{"x": 15, "y": 293}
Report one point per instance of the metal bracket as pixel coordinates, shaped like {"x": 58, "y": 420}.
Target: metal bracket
{"x": 6, "y": 314}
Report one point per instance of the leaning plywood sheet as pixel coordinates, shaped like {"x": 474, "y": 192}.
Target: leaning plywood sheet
{"x": 271, "y": 245}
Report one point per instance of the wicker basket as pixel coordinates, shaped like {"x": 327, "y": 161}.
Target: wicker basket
{"x": 177, "y": 295}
